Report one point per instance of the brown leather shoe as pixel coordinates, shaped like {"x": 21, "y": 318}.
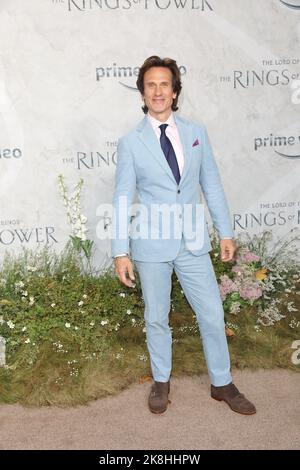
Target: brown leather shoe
{"x": 158, "y": 398}
{"x": 236, "y": 400}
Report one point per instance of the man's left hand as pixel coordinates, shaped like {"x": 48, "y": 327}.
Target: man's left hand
{"x": 228, "y": 249}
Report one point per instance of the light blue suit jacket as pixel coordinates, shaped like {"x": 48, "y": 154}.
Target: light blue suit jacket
{"x": 142, "y": 168}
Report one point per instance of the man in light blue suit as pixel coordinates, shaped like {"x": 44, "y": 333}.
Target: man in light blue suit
{"x": 167, "y": 160}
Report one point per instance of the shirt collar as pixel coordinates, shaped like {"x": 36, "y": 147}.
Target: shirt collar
{"x": 156, "y": 123}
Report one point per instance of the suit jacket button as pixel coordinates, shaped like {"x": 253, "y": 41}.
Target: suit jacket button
{"x": 178, "y": 191}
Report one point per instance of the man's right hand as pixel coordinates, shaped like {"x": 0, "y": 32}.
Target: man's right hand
{"x": 123, "y": 265}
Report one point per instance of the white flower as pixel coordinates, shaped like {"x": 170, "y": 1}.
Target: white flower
{"x": 104, "y": 322}
{"x": 142, "y": 357}
{"x": 80, "y": 303}
{"x": 232, "y": 326}
{"x": 77, "y": 224}
{"x": 67, "y": 325}
{"x": 53, "y": 305}
{"x": 25, "y": 293}
{"x": 270, "y": 315}
{"x": 122, "y": 294}
{"x": 84, "y": 296}
{"x": 31, "y": 300}
{"x": 144, "y": 329}
{"x": 235, "y": 308}
{"x": 92, "y": 323}
{"x": 75, "y": 327}
{"x": 24, "y": 328}
{"x": 290, "y": 307}
{"x": 27, "y": 340}
{"x": 294, "y": 324}
{"x": 128, "y": 312}
{"x": 133, "y": 320}
{"x": 31, "y": 268}
{"x": 10, "y": 324}
{"x": 19, "y": 284}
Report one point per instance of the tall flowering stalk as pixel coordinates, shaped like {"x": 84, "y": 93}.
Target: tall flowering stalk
{"x": 76, "y": 219}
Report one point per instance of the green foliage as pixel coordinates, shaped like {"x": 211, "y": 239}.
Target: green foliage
{"x": 72, "y": 336}
{"x": 43, "y": 300}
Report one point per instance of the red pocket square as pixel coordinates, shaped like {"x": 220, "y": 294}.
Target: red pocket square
{"x": 196, "y": 143}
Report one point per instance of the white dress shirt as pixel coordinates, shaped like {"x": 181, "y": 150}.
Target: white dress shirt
{"x": 173, "y": 134}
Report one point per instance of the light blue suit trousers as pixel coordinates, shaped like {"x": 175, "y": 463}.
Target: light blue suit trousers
{"x": 197, "y": 278}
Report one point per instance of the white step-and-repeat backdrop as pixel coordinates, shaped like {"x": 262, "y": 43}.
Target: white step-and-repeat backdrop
{"x": 67, "y": 92}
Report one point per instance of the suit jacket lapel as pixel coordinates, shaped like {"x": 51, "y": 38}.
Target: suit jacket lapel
{"x": 185, "y": 134}
{"x": 147, "y": 136}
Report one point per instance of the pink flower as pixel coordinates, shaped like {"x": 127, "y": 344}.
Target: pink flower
{"x": 250, "y": 292}
{"x": 238, "y": 269}
{"x": 249, "y": 257}
{"x": 227, "y": 286}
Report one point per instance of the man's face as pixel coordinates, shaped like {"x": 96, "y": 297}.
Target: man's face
{"x": 158, "y": 92}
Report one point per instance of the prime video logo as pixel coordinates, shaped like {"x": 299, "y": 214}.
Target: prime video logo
{"x": 294, "y": 4}
{"x": 124, "y": 72}
{"x": 277, "y": 141}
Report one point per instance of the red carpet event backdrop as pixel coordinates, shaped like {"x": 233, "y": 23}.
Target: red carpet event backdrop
{"x": 68, "y": 72}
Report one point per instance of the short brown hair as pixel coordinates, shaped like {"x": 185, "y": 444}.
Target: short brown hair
{"x": 155, "y": 61}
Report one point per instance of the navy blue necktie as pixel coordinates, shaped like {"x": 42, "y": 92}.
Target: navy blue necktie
{"x": 169, "y": 152}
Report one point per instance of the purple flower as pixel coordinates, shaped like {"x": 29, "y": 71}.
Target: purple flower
{"x": 227, "y": 286}
{"x": 238, "y": 269}
{"x": 249, "y": 257}
{"x": 250, "y": 292}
